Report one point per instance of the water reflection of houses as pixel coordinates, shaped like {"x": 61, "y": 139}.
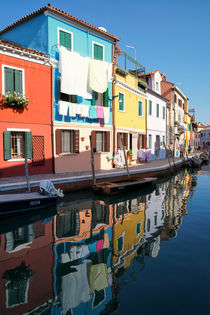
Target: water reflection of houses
{"x": 177, "y": 192}
{"x": 82, "y": 273}
{"x": 21, "y": 277}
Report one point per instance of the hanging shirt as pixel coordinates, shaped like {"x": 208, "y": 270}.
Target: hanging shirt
{"x": 63, "y": 108}
{"x": 72, "y": 109}
{"x": 92, "y": 112}
{"x": 99, "y": 112}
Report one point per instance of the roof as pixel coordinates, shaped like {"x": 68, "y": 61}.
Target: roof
{"x": 10, "y": 44}
{"x": 50, "y": 8}
{"x": 148, "y": 73}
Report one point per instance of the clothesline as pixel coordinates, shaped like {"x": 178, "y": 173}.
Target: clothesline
{"x": 86, "y": 111}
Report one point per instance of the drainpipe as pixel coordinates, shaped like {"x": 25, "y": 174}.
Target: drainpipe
{"x": 173, "y": 103}
{"x": 52, "y": 133}
{"x": 114, "y": 62}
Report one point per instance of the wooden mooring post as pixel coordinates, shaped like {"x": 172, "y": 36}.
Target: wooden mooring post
{"x": 27, "y": 177}
{"x": 92, "y": 161}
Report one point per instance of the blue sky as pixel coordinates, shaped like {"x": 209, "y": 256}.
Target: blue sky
{"x": 172, "y": 36}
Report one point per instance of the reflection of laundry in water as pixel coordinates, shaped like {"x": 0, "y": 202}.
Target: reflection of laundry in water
{"x": 98, "y": 277}
{"x": 99, "y": 296}
{"x": 100, "y": 214}
{"x": 75, "y": 288}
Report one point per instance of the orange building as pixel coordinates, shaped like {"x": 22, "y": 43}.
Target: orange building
{"x": 25, "y": 111}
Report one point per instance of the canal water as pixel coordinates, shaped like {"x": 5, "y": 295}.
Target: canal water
{"x": 147, "y": 252}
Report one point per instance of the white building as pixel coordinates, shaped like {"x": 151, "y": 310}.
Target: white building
{"x": 205, "y": 139}
{"x": 156, "y": 115}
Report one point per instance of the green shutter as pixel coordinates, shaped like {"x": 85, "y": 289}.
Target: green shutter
{"x": 7, "y": 145}
{"x": 65, "y": 39}
{"x": 74, "y": 98}
{"x": 140, "y": 108}
{"x": 121, "y": 102}
{"x": 120, "y": 243}
{"x": 9, "y": 80}
{"x": 98, "y": 52}
{"x": 18, "y": 81}
{"x": 148, "y": 225}
{"x": 93, "y": 98}
{"x": 157, "y": 110}
{"x": 138, "y": 228}
{"x": 106, "y": 98}
{"x": 28, "y": 145}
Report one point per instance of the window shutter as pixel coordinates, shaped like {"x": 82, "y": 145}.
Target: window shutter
{"x": 9, "y": 79}
{"x": 144, "y": 141}
{"x": 100, "y": 52}
{"x": 95, "y": 51}
{"x": 93, "y": 135}
{"x": 7, "y": 145}
{"x": 93, "y": 98}
{"x": 118, "y": 140}
{"x": 138, "y": 142}
{"x": 74, "y": 99}
{"x": 140, "y": 108}
{"x": 58, "y": 141}
{"x": 18, "y": 81}
{"x": 59, "y": 88}
{"x": 65, "y": 39}
{"x": 28, "y": 145}
{"x": 125, "y": 136}
{"x": 106, "y": 98}
{"x": 108, "y": 141}
{"x": 76, "y": 141}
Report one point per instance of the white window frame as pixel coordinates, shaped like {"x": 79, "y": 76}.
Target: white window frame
{"x": 164, "y": 111}
{"x": 16, "y": 68}
{"x": 141, "y": 108}
{"x": 93, "y": 43}
{"x": 122, "y": 111}
{"x": 149, "y": 102}
{"x": 149, "y": 141}
{"x": 66, "y": 31}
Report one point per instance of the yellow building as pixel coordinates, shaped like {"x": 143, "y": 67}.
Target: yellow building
{"x": 129, "y": 112}
{"x": 128, "y": 232}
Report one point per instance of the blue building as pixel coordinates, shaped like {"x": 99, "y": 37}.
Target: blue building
{"x": 82, "y": 56}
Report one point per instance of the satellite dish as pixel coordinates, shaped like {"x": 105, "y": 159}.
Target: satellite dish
{"x": 102, "y": 29}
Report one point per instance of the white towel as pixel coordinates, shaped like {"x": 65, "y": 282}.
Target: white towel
{"x": 106, "y": 114}
{"x": 85, "y": 110}
{"x": 72, "y": 109}
{"x": 63, "y": 107}
{"x": 74, "y": 71}
{"x": 78, "y": 109}
{"x": 109, "y": 72}
{"x": 98, "y": 75}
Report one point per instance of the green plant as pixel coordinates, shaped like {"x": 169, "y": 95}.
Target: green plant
{"x": 176, "y": 123}
{"x": 130, "y": 152}
{"x": 15, "y": 99}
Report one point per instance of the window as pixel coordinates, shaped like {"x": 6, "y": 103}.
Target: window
{"x": 17, "y": 144}
{"x": 65, "y": 97}
{"x": 138, "y": 228}
{"x": 175, "y": 98}
{"x": 148, "y": 225}
{"x": 180, "y": 103}
{"x": 67, "y": 141}
{"x": 101, "y": 141}
{"x": 150, "y": 141}
{"x": 157, "y": 110}
{"x": 13, "y": 80}
{"x": 65, "y": 39}
{"x": 140, "y": 108}
{"x": 157, "y": 86}
{"x": 155, "y": 218}
{"x": 100, "y": 99}
{"x": 98, "y": 51}
{"x": 121, "y": 102}
{"x": 120, "y": 242}
{"x": 164, "y": 112}
{"x": 150, "y": 108}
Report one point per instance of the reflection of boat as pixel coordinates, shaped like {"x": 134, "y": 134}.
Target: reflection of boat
{"x": 110, "y": 188}
{"x": 24, "y": 202}
{"x": 194, "y": 162}
{"x": 13, "y": 223}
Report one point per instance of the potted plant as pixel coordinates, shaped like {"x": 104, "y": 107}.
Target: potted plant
{"x": 15, "y": 99}
{"x": 129, "y": 156}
